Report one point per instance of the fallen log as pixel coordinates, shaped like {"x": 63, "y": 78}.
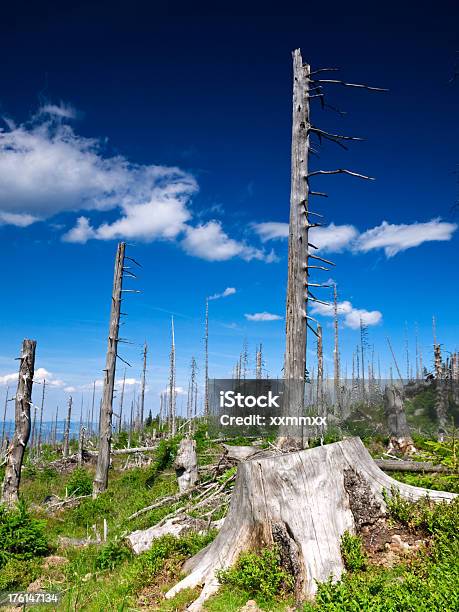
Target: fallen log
{"x": 303, "y": 501}
{"x": 239, "y": 453}
{"x": 392, "y": 465}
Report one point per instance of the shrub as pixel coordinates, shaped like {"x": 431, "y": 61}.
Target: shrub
{"x": 18, "y": 573}
{"x": 21, "y": 536}
{"x": 351, "y": 551}
{"x": 164, "y": 456}
{"x": 259, "y": 574}
{"x": 111, "y": 555}
{"x": 79, "y": 483}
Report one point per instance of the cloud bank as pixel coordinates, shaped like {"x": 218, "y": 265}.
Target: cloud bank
{"x": 352, "y": 316}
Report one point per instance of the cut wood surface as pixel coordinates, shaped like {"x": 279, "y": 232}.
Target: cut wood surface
{"x": 304, "y": 501}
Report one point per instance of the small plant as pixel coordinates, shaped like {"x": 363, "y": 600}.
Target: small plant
{"x": 259, "y": 574}
{"x": 111, "y": 555}
{"x": 352, "y": 553}
{"x": 79, "y": 483}
{"x": 21, "y": 536}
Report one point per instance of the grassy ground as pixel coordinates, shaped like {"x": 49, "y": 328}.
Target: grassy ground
{"x": 109, "y": 577}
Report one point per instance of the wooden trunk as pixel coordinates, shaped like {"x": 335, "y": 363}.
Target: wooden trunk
{"x": 304, "y": 501}
{"x": 16, "y": 450}
{"x": 400, "y": 439}
{"x": 105, "y": 433}
{"x": 186, "y": 465}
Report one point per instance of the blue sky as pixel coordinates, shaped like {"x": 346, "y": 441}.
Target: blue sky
{"x": 173, "y": 132}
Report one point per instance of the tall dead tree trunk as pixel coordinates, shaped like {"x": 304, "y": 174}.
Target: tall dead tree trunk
{"x": 16, "y": 450}
{"x": 40, "y": 426}
{"x": 320, "y": 372}
{"x": 336, "y": 357}
{"x": 142, "y": 389}
{"x": 120, "y": 421}
{"x": 4, "y": 417}
{"x": 304, "y": 502}
{"x": 172, "y": 391}
{"x": 297, "y": 280}
{"x": 105, "y": 427}
{"x": 400, "y": 439}
{"x": 66, "y": 443}
{"x": 91, "y": 427}
{"x": 206, "y": 363}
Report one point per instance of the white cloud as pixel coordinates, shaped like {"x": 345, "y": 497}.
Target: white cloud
{"x": 70, "y": 389}
{"x": 81, "y": 233}
{"x": 228, "y": 291}
{"x": 396, "y": 238}
{"x": 62, "y": 110}
{"x": 271, "y": 230}
{"x": 8, "y": 379}
{"x": 40, "y": 374}
{"x": 332, "y": 238}
{"x": 46, "y": 169}
{"x": 263, "y": 316}
{"x": 17, "y": 219}
{"x": 352, "y": 316}
{"x": 209, "y": 241}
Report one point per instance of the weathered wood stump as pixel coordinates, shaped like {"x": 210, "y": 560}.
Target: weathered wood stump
{"x": 186, "y": 464}
{"x": 400, "y": 439}
{"x": 304, "y": 501}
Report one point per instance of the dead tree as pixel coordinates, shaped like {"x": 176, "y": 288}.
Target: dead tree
{"x": 206, "y": 363}
{"x": 142, "y": 388}
{"x": 172, "y": 389}
{"x": 186, "y": 464}
{"x": 336, "y": 356}
{"x": 320, "y": 372}
{"x": 81, "y": 445}
{"x": 105, "y": 427}
{"x": 23, "y": 400}
{"x": 400, "y": 439}
{"x": 66, "y": 443}
{"x": 91, "y": 427}
{"x": 259, "y": 363}
{"x": 4, "y": 417}
{"x": 40, "y": 426}
{"x": 120, "y": 421}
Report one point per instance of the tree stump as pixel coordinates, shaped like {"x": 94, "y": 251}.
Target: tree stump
{"x": 304, "y": 501}
{"x": 186, "y": 464}
{"x": 400, "y": 439}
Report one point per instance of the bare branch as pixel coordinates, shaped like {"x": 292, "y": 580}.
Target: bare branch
{"x": 341, "y": 171}
{"x": 358, "y": 85}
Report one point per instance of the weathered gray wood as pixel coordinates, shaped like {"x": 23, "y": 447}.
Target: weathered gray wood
{"x": 66, "y": 444}
{"x": 105, "y": 429}
{"x": 40, "y": 426}
{"x": 16, "y": 449}
{"x": 186, "y": 464}
{"x": 336, "y": 355}
{"x": 4, "y": 417}
{"x": 142, "y": 388}
{"x": 81, "y": 446}
{"x": 392, "y": 465}
{"x": 303, "y": 501}
{"x": 297, "y": 280}
{"x": 206, "y": 363}
{"x": 400, "y": 439}
{"x": 239, "y": 453}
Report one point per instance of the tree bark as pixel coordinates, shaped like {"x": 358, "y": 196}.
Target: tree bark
{"x": 66, "y": 443}
{"x": 304, "y": 502}
{"x": 400, "y": 439}
{"x": 186, "y": 464}
{"x": 16, "y": 450}
{"x": 105, "y": 429}
{"x": 297, "y": 281}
